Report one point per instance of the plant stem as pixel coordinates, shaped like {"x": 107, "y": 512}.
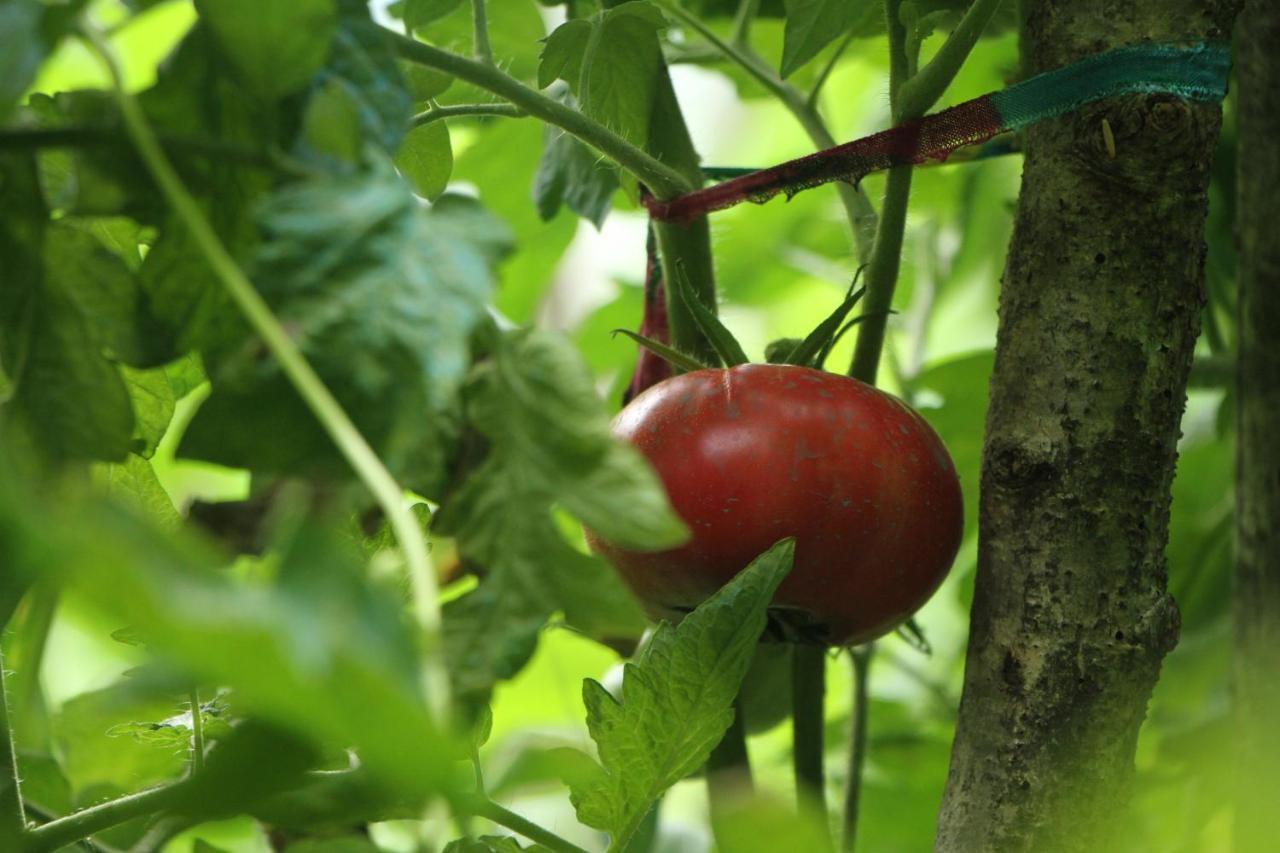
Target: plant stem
{"x": 89, "y": 137}
{"x": 86, "y": 822}
{"x": 663, "y": 181}
{"x": 910, "y": 98}
{"x": 13, "y": 819}
{"x": 308, "y": 384}
{"x": 742, "y": 21}
{"x": 490, "y": 810}
{"x": 861, "y": 657}
{"x": 729, "y": 766}
{"x": 812, "y": 100}
{"x": 918, "y": 94}
{"x": 882, "y": 275}
{"x": 808, "y": 690}
{"x": 457, "y": 110}
{"x": 480, "y": 26}
{"x": 197, "y": 732}
{"x": 858, "y": 209}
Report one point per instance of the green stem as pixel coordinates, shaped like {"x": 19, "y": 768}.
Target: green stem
{"x": 922, "y": 91}
{"x": 910, "y": 98}
{"x": 861, "y": 657}
{"x": 480, "y": 29}
{"x": 309, "y": 386}
{"x": 747, "y": 10}
{"x": 882, "y": 275}
{"x": 729, "y": 766}
{"x": 87, "y": 822}
{"x": 816, "y": 89}
{"x": 13, "y": 820}
{"x": 808, "y": 690}
{"x": 197, "y": 732}
{"x": 858, "y": 209}
{"x": 504, "y": 817}
{"x": 459, "y": 110}
{"x": 662, "y": 180}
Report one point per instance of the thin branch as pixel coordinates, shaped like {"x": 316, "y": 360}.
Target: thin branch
{"x": 86, "y": 822}
{"x": 663, "y": 181}
{"x": 808, "y": 690}
{"x": 861, "y": 656}
{"x": 13, "y": 819}
{"x": 436, "y": 113}
{"x": 923, "y": 90}
{"x": 197, "y": 732}
{"x": 747, "y": 10}
{"x": 486, "y": 808}
{"x": 335, "y": 421}
{"x": 480, "y": 27}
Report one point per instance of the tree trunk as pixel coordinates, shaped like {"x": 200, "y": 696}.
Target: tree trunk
{"x": 1099, "y": 313}
{"x": 1257, "y": 572}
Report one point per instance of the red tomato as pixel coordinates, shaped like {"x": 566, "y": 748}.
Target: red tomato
{"x": 758, "y": 452}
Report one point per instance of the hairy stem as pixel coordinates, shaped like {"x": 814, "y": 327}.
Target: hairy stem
{"x": 808, "y": 692}
{"x": 12, "y": 818}
{"x": 861, "y": 658}
{"x": 480, "y": 27}
{"x": 308, "y": 384}
{"x": 661, "y": 179}
{"x": 490, "y": 810}
{"x": 197, "y": 732}
{"x": 462, "y": 110}
{"x": 922, "y": 91}
{"x": 86, "y": 822}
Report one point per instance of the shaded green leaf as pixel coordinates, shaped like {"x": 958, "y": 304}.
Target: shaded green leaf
{"x": 416, "y": 13}
{"x": 571, "y": 173}
{"x": 426, "y": 159}
{"x": 275, "y": 45}
{"x": 812, "y": 24}
{"x": 677, "y": 699}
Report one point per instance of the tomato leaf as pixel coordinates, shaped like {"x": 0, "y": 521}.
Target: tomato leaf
{"x": 550, "y": 444}
{"x": 571, "y": 173}
{"x": 726, "y": 346}
{"x": 677, "y": 699}
{"x": 813, "y": 24}
{"x": 275, "y": 45}
{"x": 21, "y": 51}
{"x": 382, "y": 297}
{"x": 426, "y": 159}
{"x": 611, "y": 62}
{"x": 419, "y": 12}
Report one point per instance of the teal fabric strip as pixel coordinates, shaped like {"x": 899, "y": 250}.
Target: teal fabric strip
{"x": 1197, "y": 72}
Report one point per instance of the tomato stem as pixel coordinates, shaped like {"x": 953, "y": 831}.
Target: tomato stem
{"x": 861, "y": 657}
{"x": 808, "y": 692}
{"x": 729, "y": 766}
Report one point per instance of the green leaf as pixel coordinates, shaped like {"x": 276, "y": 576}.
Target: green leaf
{"x": 275, "y": 45}
{"x": 426, "y": 159}
{"x": 491, "y": 844}
{"x": 726, "y": 346}
{"x": 416, "y": 13}
{"x": 550, "y": 444}
{"x": 319, "y": 652}
{"x": 812, "y": 24}
{"x": 331, "y": 122}
{"x": 612, "y": 63}
{"x": 562, "y": 55}
{"x": 754, "y": 825}
{"x": 134, "y": 482}
{"x": 677, "y": 699}
{"x": 21, "y": 50}
{"x": 382, "y": 296}
{"x": 424, "y": 83}
{"x": 573, "y": 174}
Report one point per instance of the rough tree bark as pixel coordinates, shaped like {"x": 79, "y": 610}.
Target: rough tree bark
{"x": 1099, "y": 313}
{"x": 1257, "y": 572}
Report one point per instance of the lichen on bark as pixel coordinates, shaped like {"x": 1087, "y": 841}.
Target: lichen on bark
{"x": 1099, "y": 313}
